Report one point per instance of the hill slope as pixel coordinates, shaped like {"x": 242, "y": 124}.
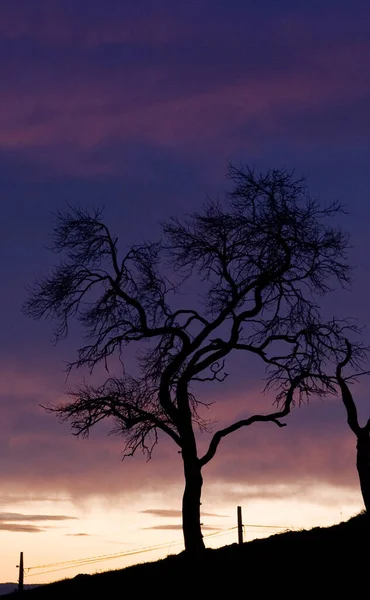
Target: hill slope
{"x": 319, "y": 562}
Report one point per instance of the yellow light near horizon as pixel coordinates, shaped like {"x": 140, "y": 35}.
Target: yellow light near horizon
{"x": 119, "y": 534}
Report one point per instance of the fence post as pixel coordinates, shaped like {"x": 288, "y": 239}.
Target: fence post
{"x": 240, "y": 525}
{"x": 20, "y": 580}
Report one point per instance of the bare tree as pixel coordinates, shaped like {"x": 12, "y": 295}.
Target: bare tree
{"x": 362, "y": 433}
{"x": 263, "y": 257}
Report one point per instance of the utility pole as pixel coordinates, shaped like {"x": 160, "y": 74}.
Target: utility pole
{"x": 21, "y": 572}
{"x": 240, "y": 525}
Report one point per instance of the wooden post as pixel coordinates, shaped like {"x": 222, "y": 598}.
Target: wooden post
{"x": 240, "y": 525}
{"x": 20, "y": 580}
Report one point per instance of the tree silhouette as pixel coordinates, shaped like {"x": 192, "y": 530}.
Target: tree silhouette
{"x": 362, "y": 433}
{"x": 262, "y": 258}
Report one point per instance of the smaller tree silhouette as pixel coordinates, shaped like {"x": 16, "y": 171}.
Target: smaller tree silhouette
{"x": 362, "y": 433}
{"x": 260, "y": 262}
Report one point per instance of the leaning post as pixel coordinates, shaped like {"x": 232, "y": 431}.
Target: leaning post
{"x": 240, "y": 525}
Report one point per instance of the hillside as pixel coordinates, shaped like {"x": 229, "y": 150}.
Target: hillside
{"x": 316, "y": 563}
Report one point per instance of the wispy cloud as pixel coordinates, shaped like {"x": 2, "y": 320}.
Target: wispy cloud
{"x": 136, "y": 80}
{"x": 50, "y": 459}
{"x": 7, "y": 516}
{"x": 178, "y": 527}
{"x": 26, "y": 498}
{"x": 20, "y": 528}
{"x": 15, "y": 522}
{"x": 162, "y": 512}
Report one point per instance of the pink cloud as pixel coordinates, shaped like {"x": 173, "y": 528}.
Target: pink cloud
{"x": 41, "y": 455}
{"x": 77, "y": 124}
{"x": 86, "y": 116}
{"x": 57, "y": 116}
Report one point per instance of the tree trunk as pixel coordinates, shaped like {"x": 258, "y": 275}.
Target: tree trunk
{"x": 363, "y": 465}
{"x": 191, "y": 526}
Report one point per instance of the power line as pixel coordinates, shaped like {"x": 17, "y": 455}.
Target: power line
{"x": 93, "y": 561}
{"x": 69, "y": 564}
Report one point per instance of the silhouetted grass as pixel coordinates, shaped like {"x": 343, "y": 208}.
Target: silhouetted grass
{"x": 316, "y": 563}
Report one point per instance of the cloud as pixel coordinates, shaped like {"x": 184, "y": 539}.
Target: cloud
{"x": 25, "y": 497}
{"x": 14, "y": 522}
{"x": 21, "y": 528}
{"x": 158, "y": 512}
{"x": 176, "y": 527}
{"x": 83, "y": 118}
{"x": 117, "y": 79}
{"x": 22, "y": 517}
{"x": 163, "y": 512}
{"x": 309, "y": 491}
{"x": 316, "y": 446}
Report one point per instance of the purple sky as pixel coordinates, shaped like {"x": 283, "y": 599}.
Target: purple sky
{"x": 139, "y": 107}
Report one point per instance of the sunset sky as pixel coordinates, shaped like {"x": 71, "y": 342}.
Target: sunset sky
{"x": 139, "y": 107}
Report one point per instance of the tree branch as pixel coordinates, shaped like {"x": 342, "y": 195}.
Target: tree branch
{"x": 272, "y": 417}
{"x": 349, "y": 404}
